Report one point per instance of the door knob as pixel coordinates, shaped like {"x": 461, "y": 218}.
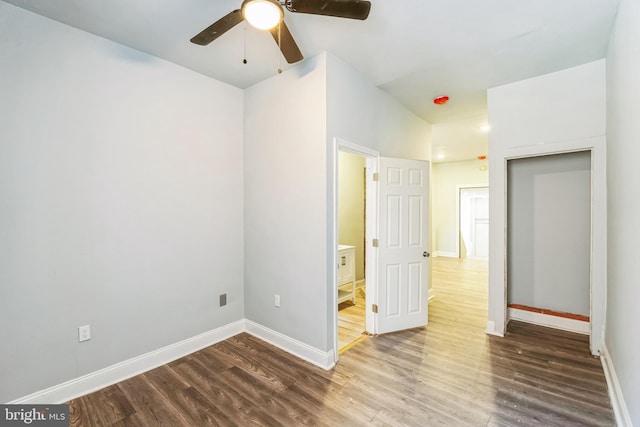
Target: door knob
{"x": 426, "y": 254}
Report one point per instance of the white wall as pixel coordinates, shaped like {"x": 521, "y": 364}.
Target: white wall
{"x": 290, "y": 122}
{"x": 623, "y": 176}
{"x": 446, "y": 179}
{"x": 558, "y": 112}
{"x": 549, "y": 221}
{"x": 120, "y": 202}
{"x": 362, "y": 114}
{"x": 351, "y": 204}
{"x": 565, "y": 105}
{"x": 285, "y": 203}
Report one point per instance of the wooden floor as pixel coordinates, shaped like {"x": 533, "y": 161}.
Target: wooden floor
{"x": 351, "y": 320}
{"x": 448, "y": 374}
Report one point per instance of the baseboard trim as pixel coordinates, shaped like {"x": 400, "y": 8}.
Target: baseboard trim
{"x": 361, "y": 283}
{"x": 110, "y": 375}
{"x": 129, "y": 368}
{"x": 446, "y": 254}
{"x": 491, "y": 329}
{"x": 431, "y": 294}
{"x": 563, "y": 323}
{"x": 623, "y": 418}
{"x": 324, "y": 360}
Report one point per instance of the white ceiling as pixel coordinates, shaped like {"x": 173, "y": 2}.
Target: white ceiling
{"x": 413, "y": 49}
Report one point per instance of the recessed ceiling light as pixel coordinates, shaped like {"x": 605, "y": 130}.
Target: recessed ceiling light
{"x": 441, "y": 156}
{"x": 485, "y": 128}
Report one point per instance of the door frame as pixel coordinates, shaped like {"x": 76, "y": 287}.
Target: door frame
{"x": 371, "y": 230}
{"x": 497, "y": 321}
{"x": 458, "y": 195}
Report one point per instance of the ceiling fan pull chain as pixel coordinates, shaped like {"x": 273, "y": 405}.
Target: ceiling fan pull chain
{"x": 280, "y": 46}
{"x": 244, "y": 61}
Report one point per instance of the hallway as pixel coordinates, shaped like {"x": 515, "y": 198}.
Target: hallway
{"x": 453, "y": 373}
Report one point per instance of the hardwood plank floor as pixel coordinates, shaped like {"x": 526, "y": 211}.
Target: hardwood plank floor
{"x": 448, "y": 374}
{"x": 351, "y": 320}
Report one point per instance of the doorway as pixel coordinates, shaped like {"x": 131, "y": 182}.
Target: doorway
{"x": 549, "y": 240}
{"x": 351, "y": 247}
{"x": 397, "y": 241}
{"x": 497, "y": 321}
{"x": 370, "y": 226}
{"x": 473, "y": 222}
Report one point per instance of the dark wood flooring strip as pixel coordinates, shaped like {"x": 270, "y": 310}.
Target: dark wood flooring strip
{"x": 449, "y": 373}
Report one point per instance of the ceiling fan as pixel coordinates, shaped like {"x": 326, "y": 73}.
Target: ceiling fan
{"x": 269, "y": 15}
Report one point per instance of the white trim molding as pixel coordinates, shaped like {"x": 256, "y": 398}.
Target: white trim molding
{"x": 623, "y": 418}
{"x": 113, "y": 374}
{"x": 324, "y": 360}
{"x": 557, "y": 322}
{"x": 110, "y": 375}
{"x": 371, "y": 270}
{"x": 491, "y": 329}
{"x": 498, "y": 230}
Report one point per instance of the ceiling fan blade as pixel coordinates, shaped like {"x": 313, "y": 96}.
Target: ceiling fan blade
{"x": 287, "y": 44}
{"x": 353, "y": 9}
{"x": 218, "y": 28}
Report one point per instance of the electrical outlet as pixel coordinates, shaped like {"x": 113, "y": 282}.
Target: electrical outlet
{"x": 84, "y": 333}
{"x": 223, "y": 300}
{"x": 277, "y": 301}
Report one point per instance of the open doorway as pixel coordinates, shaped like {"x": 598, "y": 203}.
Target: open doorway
{"x": 473, "y": 222}
{"x": 549, "y": 240}
{"x": 365, "y": 215}
{"x": 499, "y": 236}
{"x": 351, "y": 247}
{"x": 396, "y": 241}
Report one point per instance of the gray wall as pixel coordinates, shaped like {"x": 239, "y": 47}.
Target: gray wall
{"x": 284, "y": 200}
{"x": 623, "y": 176}
{"x": 549, "y": 237}
{"x": 120, "y": 203}
{"x": 289, "y": 181}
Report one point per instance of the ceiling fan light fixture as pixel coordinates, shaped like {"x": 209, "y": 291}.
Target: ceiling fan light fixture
{"x": 262, "y": 14}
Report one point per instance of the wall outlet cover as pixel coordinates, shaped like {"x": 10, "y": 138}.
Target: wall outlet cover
{"x": 84, "y": 333}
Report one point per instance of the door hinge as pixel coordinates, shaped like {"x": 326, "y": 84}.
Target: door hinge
{"x": 375, "y": 176}
{"x": 374, "y": 308}
{"x": 375, "y": 243}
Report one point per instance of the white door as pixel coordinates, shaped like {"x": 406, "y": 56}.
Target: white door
{"x": 474, "y": 222}
{"x": 481, "y": 227}
{"x": 403, "y": 258}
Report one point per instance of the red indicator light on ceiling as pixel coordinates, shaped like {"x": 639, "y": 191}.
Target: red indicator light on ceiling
{"x": 482, "y": 157}
{"x": 441, "y": 100}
